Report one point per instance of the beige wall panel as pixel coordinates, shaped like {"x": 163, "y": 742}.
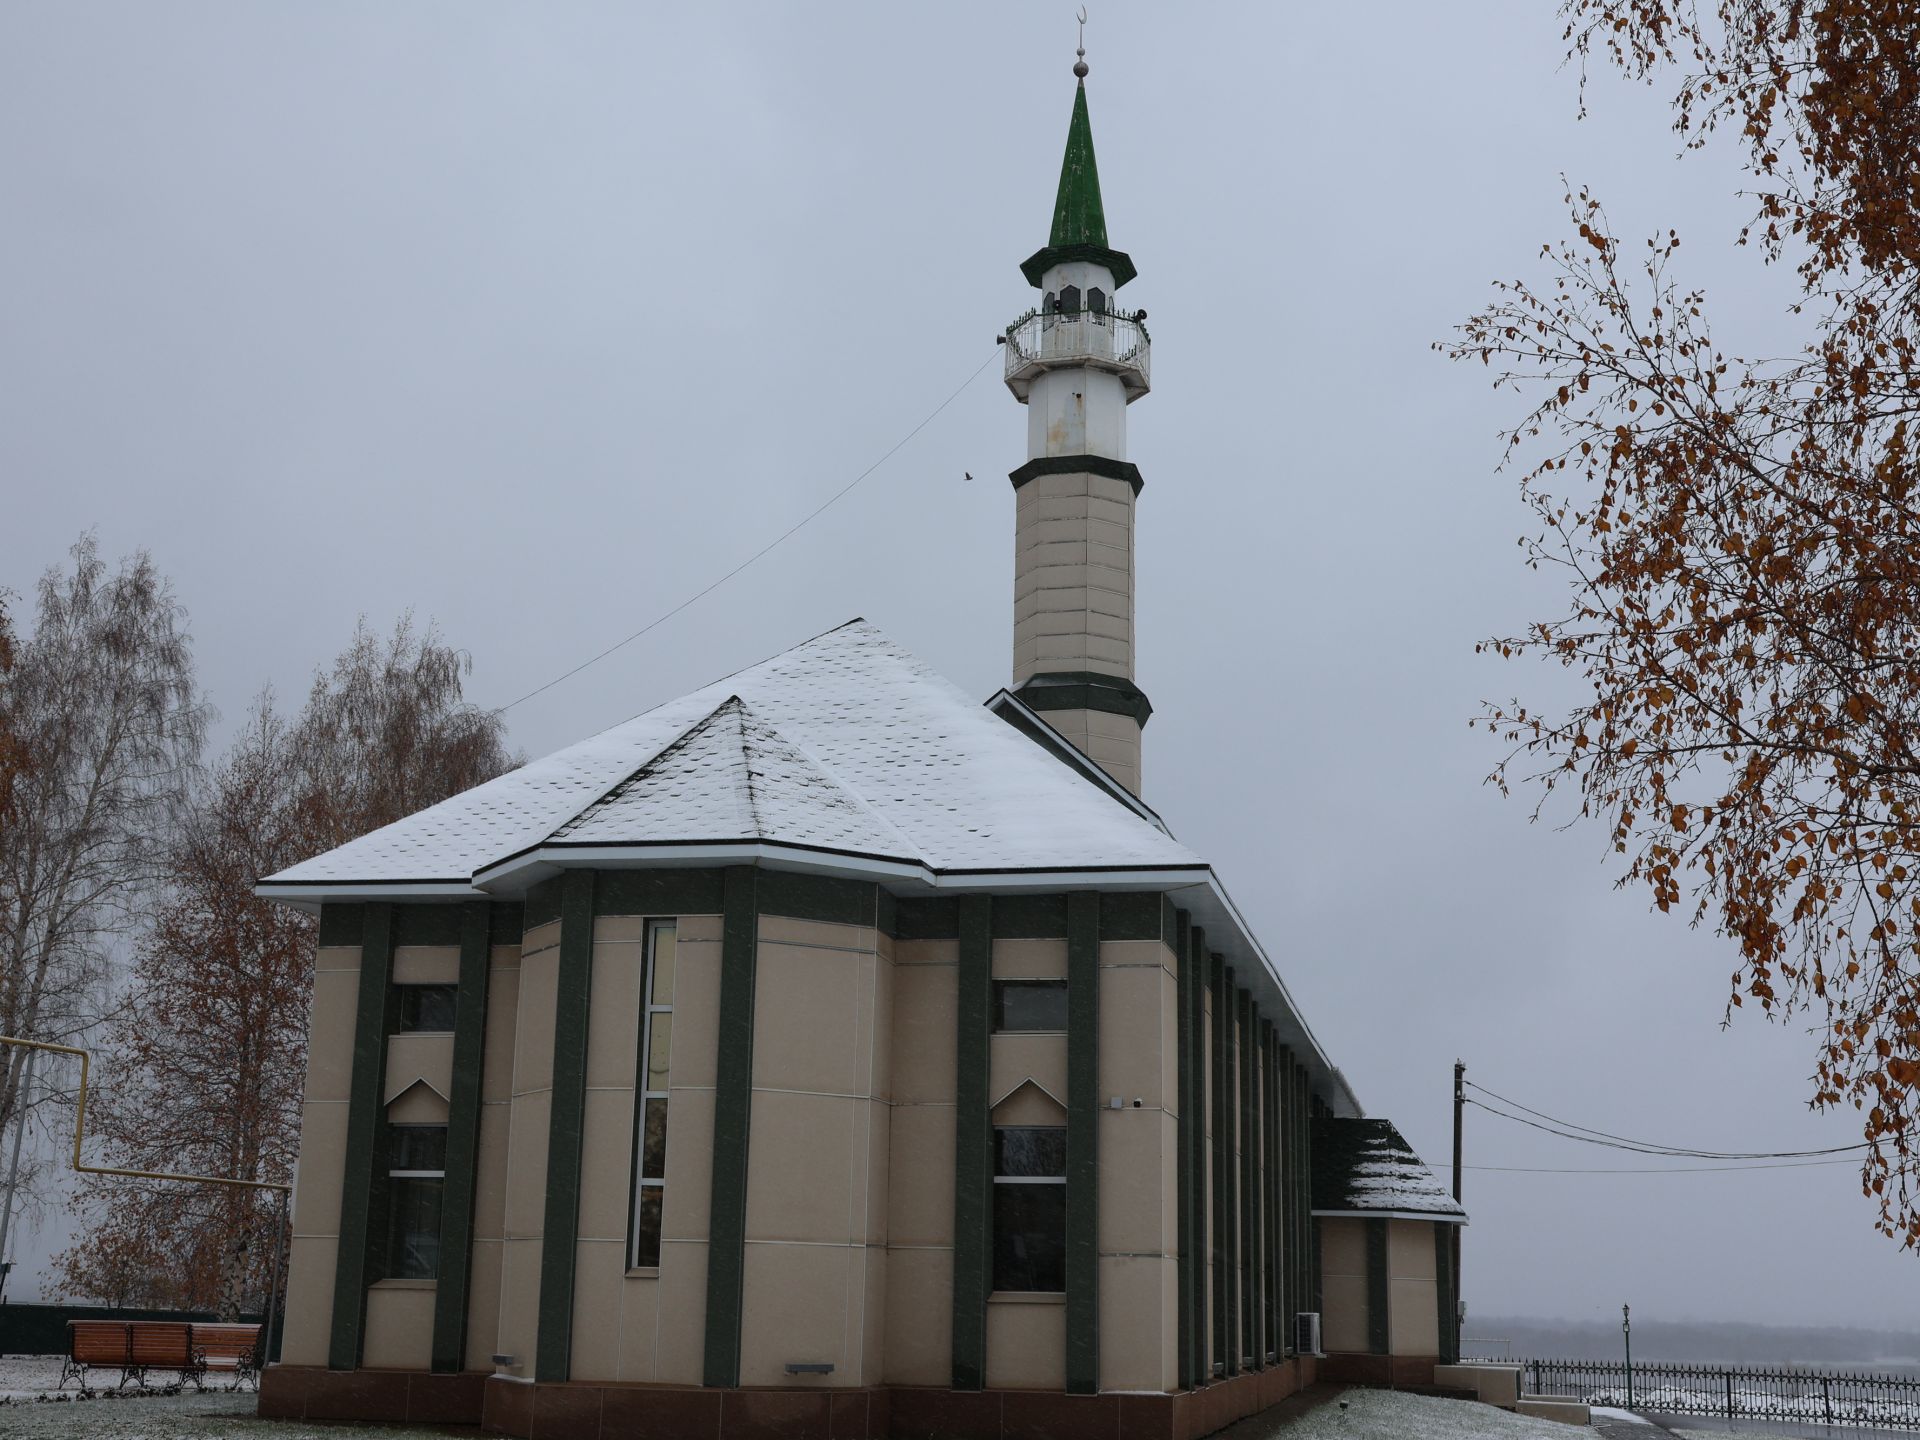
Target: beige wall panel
{"x": 336, "y": 996}
{"x": 1413, "y": 1316}
{"x": 606, "y": 1164}
{"x": 336, "y": 957}
{"x": 640, "y": 1327}
{"x": 490, "y": 1173}
{"x": 418, "y": 1104}
{"x": 784, "y": 930}
{"x": 520, "y": 1303}
{"x": 681, "y": 1349}
{"x": 399, "y": 1333}
{"x": 918, "y": 1344}
{"x": 1133, "y": 952}
{"x": 613, "y": 1015}
{"x": 684, "y": 1209}
{"x": 426, "y": 964}
{"x": 1169, "y": 1037}
{"x": 807, "y": 1004}
{"x": 926, "y": 952}
{"x": 1114, "y": 727}
{"x": 700, "y": 929}
{"x": 527, "y": 1164}
{"x": 872, "y": 1262}
{"x": 1135, "y": 1351}
{"x": 599, "y": 1278}
{"x": 1343, "y": 1246}
{"x": 1131, "y": 1030}
{"x": 1343, "y": 1319}
{"x": 801, "y": 1163}
{"x": 1410, "y": 1250}
{"x": 795, "y": 1308}
{"x": 925, "y": 1030}
{"x": 1029, "y": 959}
{"x": 1029, "y": 1105}
{"x": 415, "y": 1056}
{"x": 879, "y": 1161}
{"x": 541, "y": 937}
{"x": 619, "y": 929}
{"x": 1026, "y": 1345}
{"x": 483, "y": 1305}
{"x": 323, "y": 1163}
{"x": 1133, "y": 1218}
{"x": 878, "y": 1020}
{"x": 503, "y": 1013}
{"x": 696, "y": 1012}
{"x": 1014, "y": 1057}
{"x": 310, "y": 1265}
{"x": 533, "y": 1030}
{"x": 920, "y": 1175}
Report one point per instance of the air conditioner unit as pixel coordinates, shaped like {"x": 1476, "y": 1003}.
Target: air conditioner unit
{"x": 1306, "y": 1332}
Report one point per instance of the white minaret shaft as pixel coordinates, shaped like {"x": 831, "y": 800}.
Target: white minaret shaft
{"x": 1077, "y": 361}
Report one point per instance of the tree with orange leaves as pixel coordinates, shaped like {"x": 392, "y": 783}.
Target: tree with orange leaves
{"x": 1741, "y": 540}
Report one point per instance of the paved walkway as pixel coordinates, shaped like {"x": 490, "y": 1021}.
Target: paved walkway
{"x": 1623, "y": 1425}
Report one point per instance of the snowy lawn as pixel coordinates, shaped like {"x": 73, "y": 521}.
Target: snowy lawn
{"x": 1395, "y": 1415}
{"x": 131, "y": 1415}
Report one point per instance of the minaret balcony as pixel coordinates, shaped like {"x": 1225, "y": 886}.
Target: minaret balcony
{"x": 1043, "y": 340}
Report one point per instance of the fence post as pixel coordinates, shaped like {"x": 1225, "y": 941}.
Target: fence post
{"x": 1536, "y": 1376}
{"x": 1826, "y": 1398}
{"x": 1729, "y": 1379}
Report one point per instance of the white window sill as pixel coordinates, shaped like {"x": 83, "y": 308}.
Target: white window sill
{"x": 1027, "y": 1297}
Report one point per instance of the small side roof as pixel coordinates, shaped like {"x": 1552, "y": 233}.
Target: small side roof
{"x": 1365, "y": 1167}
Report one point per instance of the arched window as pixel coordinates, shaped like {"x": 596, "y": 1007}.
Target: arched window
{"x": 1097, "y": 304}
{"x": 1070, "y": 300}
{"x": 1048, "y": 309}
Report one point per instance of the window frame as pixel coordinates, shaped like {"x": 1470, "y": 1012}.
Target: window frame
{"x": 400, "y": 1025}
{"x": 394, "y": 1192}
{"x": 999, "y": 1027}
{"x": 999, "y": 1180}
{"x": 638, "y": 1182}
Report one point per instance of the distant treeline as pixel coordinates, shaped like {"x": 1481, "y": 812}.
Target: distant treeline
{"x": 1834, "y": 1346}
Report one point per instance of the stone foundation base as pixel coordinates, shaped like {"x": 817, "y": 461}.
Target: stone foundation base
{"x": 1384, "y": 1372}
{"x": 584, "y": 1411}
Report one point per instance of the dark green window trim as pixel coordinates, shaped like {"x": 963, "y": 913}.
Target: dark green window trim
{"x": 355, "y": 1260}
{"x": 1085, "y": 690}
{"x": 1217, "y": 1030}
{"x": 1083, "y": 1142}
{"x": 973, "y": 1143}
{"x": 659, "y": 892}
{"x": 1376, "y": 1286}
{"x": 463, "y": 1136}
{"x": 732, "y": 1110}
{"x": 1189, "y": 1113}
{"x": 1078, "y": 465}
{"x": 567, "y": 1108}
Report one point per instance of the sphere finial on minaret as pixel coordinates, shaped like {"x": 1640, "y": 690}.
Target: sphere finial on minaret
{"x": 1080, "y": 65}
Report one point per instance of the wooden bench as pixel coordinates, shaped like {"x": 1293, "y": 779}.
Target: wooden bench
{"x": 234, "y": 1348}
{"x": 133, "y": 1347}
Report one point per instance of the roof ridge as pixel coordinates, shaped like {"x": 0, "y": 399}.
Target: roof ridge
{"x": 841, "y": 785}
{"x": 646, "y": 767}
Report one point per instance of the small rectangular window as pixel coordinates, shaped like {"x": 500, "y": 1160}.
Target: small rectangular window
{"x": 1030, "y": 1208}
{"x": 426, "y": 1007}
{"x": 650, "y": 1110}
{"x": 416, "y": 1181}
{"x": 1030, "y": 1005}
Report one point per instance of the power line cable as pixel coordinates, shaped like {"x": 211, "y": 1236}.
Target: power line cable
{"x": 784, "y": 535}
{"x": 1566, "y": 1129}
{"x": 1651, "y": 1170}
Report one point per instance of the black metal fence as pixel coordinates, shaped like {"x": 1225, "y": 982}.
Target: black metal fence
{"x": 1820, "y": 1397}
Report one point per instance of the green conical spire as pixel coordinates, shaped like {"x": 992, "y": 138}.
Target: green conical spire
{"x": 1078, "y": 218}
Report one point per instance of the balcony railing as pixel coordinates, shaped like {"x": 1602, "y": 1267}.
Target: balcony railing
{"x": 1045, "y": 340}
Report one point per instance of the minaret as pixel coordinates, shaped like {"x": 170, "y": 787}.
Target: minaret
{"x": 1076, "y": 362}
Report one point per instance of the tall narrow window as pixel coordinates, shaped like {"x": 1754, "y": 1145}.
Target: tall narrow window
{"x": 416, "y": 1178}
{"x": 650, "y": 1089}
{"x": 1030, "y": 1208}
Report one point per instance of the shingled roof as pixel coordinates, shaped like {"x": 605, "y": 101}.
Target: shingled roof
{"x": 1366, "y": 1167}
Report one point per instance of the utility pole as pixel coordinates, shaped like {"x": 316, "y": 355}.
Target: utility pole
{"x": 13, "y": 1169}
{"x": 1459, "y": 1115}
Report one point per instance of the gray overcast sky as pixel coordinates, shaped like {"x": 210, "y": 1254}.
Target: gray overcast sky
{"x": 535, "y": 319}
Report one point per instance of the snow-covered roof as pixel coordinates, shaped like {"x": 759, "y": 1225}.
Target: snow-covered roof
{"x": 1366, "y": 1167}
{"x": 846, "y": 744}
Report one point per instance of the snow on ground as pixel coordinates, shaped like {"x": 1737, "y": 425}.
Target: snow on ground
{"x": 130, "y": 1415}
{"x": 1396, "y": 1415}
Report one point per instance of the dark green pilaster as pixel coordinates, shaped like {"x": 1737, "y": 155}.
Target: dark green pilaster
{"x": 1189, "y": 1115}
{"x": 1290, "y": 1163}
{"x": 732, "y": 1110}
{"x": 1194, "y": 1160}
{"x": 1449, "y": 1311}
{"x": 1249, "y": 1193}
{"x": 366, "y": 1129}
{"x": 463, "y": 1139}
{"x": 1269, "y": 1194}
{"x": 973, "y": 1146}
{"x": 1376, "y": 1286}
{"x": 1083, "y": 1142}
{"x": 559, "y": 1242}
{"x": 1218, "y": 1029}
{"x": 1303, "y": 1191}
{"x": 1230, "y": 1147}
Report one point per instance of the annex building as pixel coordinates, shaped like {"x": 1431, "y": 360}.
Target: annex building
{"x": 828, "y": 1054}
